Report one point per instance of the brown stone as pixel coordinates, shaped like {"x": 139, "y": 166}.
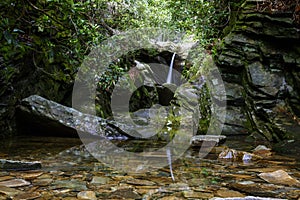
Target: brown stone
{"x": 266, "y": 169}
{"x": 237, "y": 176}
{"x": 27, "y": 196}
{"x": 279, "y": 177}
{"x": 42, "y": 182}
{"x": 119, "y": 178}
{"x": 9, "y": 191}
{"x": 197, "y": 195}
{"x": 256, "y": 189}
{"x": 5, "y": 178}
{"x": 140, "y": 182}
{"x": 126, "y": 193}
{"x": 31, "y": 175}
{"x": 171, "y": 198}
{"x": 91, "y": 195}
{"x": 225, "y": 193}
{"x": 262, "y": 151}
{"x": 146, "y": 187}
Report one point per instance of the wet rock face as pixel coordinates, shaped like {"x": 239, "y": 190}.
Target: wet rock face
{"x": 260, "y": 61}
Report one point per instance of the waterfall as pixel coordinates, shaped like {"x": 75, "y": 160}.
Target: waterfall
{"x": 169, "y": 78}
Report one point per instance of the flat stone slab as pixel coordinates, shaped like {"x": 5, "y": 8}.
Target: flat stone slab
{"x": 198, "y": 140}
{"x": 14, "y": 183}
{"x": 9, "y": 191}
{"x": 39, "y": 115}
{"x": 19, "y": 165}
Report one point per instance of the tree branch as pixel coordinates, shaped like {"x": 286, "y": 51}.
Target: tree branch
{"x": 44, "y": 12}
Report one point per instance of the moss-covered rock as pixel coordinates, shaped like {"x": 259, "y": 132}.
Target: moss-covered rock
{"x": 259, "y": 61}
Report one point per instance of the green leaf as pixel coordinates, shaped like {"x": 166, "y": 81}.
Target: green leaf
{"x": 8, "y": 37}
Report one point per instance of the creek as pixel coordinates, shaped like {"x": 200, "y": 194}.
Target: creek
{"x": 68, "y": 170}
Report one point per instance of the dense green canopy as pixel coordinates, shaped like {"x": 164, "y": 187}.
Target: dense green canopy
{"x": 55, "y": 35}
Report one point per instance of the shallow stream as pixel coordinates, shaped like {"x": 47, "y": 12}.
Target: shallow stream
{"x": 68, "y": 173}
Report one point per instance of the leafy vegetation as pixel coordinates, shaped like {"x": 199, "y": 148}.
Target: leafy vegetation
{"x": 52, "y": 37}
{"x": 49, "y": 32}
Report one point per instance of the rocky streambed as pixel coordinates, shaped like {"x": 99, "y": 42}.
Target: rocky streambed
{"x": 69, "y": 172}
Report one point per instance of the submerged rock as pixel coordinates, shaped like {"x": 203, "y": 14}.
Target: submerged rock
{"x": 197, "y": 195}
{"x": 225, "y": 193}
{"x": 19, "y": 165}
{"x": 124, "y": 193}
{"x": 14, "y": 183}
{"x": 100, "y": 180}
{"x": 246, "y": 198}
{"x": 9, "y": 191}
{"x": 258, "y": 189}
{"x": 73, "y": 184}
{"x": 27, "y": 196}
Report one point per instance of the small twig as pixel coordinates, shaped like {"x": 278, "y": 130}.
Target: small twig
{"x": 44, "y": 12}
{"x": 113, "y": 31}
{"x": 42, "y": 70}
{"x": 229, "y": 15}
{"x": 76, "y": 29}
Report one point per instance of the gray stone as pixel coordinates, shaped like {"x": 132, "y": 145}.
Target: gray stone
{"x": 100, "y": 180}
{"x": 233, "y": 91}
{"x": 182, "y": 48}
{"x": 198, "y": 140}
{"x": 235, "y": 117}
{"x": 269, "y": 82}
{"x": 259, "y": 58}
{"x": 232, "y": 130}
{"x": 72, "y": 184}
{"x": 37, "y": 114}
{"x": 42, "y": 181}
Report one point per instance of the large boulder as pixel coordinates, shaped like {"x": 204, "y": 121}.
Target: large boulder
{"x": 37, "y": 115}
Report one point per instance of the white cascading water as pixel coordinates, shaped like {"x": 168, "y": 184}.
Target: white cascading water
{"x": 169, "y": 78}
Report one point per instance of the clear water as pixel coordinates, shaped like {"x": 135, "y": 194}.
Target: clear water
{"x": 65, "y": 164}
